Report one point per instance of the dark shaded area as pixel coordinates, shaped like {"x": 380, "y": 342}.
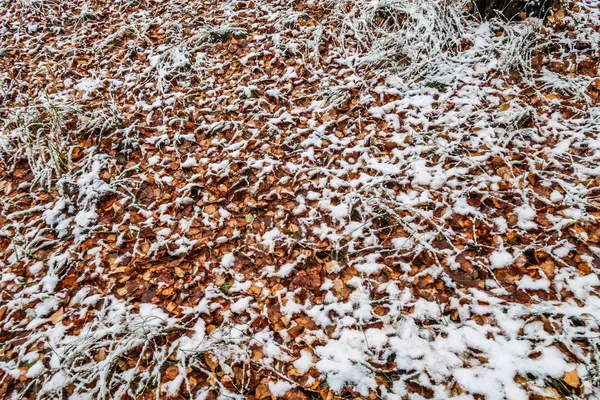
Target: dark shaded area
{"x": 511, "y": 9}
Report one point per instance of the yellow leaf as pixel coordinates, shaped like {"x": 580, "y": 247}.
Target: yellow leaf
{"x": 172, "y": 372}
{"x": 57, "y": 316}
{"x": 262, "y": 391}
{"x": 572, "y": 379}
{"x": 100, "y": 356}
{"x": 293, "y": 228}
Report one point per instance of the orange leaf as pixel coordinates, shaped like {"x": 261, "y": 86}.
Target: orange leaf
{"x": 57, "y": 316}
{"x": 572, "y": 378}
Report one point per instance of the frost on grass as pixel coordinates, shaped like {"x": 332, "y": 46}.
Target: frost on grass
{"x": 298, "y": 199}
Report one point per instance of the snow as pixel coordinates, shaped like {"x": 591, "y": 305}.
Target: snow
{"x": 402, "y": 243}
{"x": 153, "y": 315}
{"x": 279, "y": 388}
{"x": 228, "y": 260}
{"x": 526, "y": 214}
{"x": 269, "y": 238}
{"x": 501, "y": 259}
{"x": 581, "y": 286}
{"x": 241, "y": 305}
{"x": 340, "y": 361}
{"x": 190, "y": 162}
{"x": 35, "y": 370}
{"x": 88, "y": 85}
{"x": 463, "y": 208}
{"x": 339, "y": 212}
{"x": 171, "y": 388}
{"x": 369, "y": 265}
{"x": 305, "y": 362}
{"x": 528, "y": 283}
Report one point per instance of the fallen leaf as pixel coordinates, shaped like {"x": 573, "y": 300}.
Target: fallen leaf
{"x": 295, "y": 394}
{"x": 552, "y": 393}
{"x": 262, "y": 392}
{"x": 293, "y": 228}
{"x": 172, "y": 372}
{"x": 548, "y": 267}
{"x": 572, "y": 378}
{"x": 211, "y": 361}
{"x": 100, "y": 356}
{"x": 57, "y": 316}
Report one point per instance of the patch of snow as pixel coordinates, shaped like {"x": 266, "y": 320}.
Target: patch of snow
{"x": 501, "y": 258}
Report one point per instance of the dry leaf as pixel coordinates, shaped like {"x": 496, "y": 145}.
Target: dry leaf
{"x": 548, "y": 267}
{"x": 262, "y": 392}
{"x": 572, "y": 378}
{"x": 552, "y": 393}
{"x": 211, "y": 361}
{"x": 57, "y": 316}
{"x": 100, "y": 356}
{"x": 295, "y": 394}
{"x": 171, "y": 372}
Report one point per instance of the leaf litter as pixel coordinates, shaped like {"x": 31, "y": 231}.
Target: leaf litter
{"x": 307, "y": 199}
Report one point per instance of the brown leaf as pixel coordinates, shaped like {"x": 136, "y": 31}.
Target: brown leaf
{"x": 262, "y": 392}
{"x": 257, "y": 354}
{"x": 548, "y": 267}
{"x": 211, "y": 361}
{"x": 293, "y": 228}
{"x": 171, "y": 372}
{"x": 303, "y": 279}
{"x": 295, "y": 394}
{"x": 57, "y": 316}
{"x": 572, "y": 378}
{"x": 100, "y": 356}
{"x": 326, "y": 394}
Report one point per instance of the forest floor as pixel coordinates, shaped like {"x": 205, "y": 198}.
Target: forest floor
{"x": 309, "y": 199}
